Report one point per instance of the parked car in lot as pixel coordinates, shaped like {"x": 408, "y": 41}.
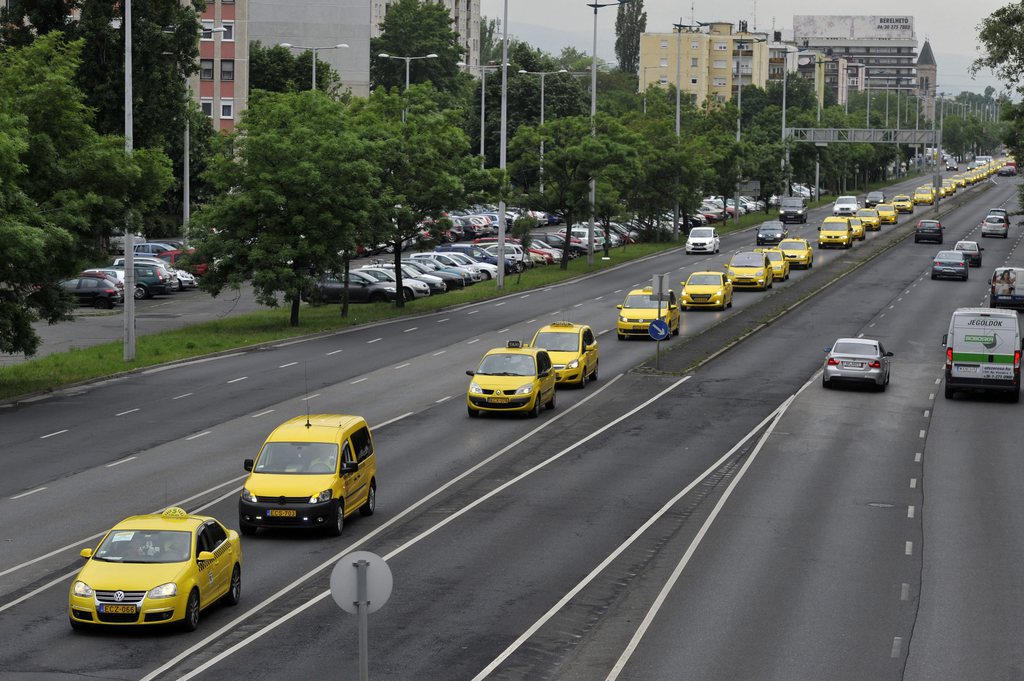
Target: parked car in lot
{"x": 362, "y": 288}
{"x": 950, "y": 265}
{"x": 175, "y": 258}
{"x": 703, "y": 240}
{"x": 995, "y": 224}
{"x": 513, "y": 252}
{"x": 170, "y": 274}
{"x": 972, "y": 250}
{"x": 576, "y": 246}
{"x": 94, "y": 291}
{"x": 479, "y": 271}
{"x": 771, "y": 232}
{"x": 856, "y": 360}
{"x": 411, "y": 287}
{"x": 455, "y": 277}
{"x": 111, "y": 273}
{"x": 928, "y": 230}
{"x": 152, "y": 248}
{"x": 477, "y": 253}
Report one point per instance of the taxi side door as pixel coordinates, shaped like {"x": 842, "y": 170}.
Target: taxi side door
{"x": 589, "y": 349}
{"x": 212, "y": 578}
{"x": 362, "y": 451}
{"x": 672, "y": 315}
{"x": 545, "y": 378}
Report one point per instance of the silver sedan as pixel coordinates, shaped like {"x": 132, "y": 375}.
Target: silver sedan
{"x": 856, "y": 360}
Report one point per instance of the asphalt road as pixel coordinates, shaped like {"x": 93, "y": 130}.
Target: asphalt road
{"x": 735, "y": 521}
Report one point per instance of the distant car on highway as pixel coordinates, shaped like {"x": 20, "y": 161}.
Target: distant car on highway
{"x": 873, "y": 199}
{"x": 703, "y": 240}
{"x": 771, "y": 232}
{"x": 641, "y": 307}
{"x": 950, "y": 265}
{"x": 903, "y": 203}
{"x": 573, "y": 349}
{"x": 995, "y": 225}
{"x": 711, "y": 290}
{"x": 928, "y": 230}
{"x": 972, "y": 250}
{"x": 512, "y": 379}
{"x": 845, "y": 205}
{"x": 798, "y": 252}
{"x": 856, "y": 360}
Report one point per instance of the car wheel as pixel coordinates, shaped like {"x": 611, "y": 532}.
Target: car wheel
{"x": 103, "y": 303}
{"x": 621, "y": 336}
{"x": 191, "y": 620}
{"x": 247, "y": 529}
{"x": 473, "y": 413}
{"x": 335, "y": 528}
{"x": 371, "y": 500}
{"x": 378, "y": 297}
{"x": 408, "y": 294}
{"x": 881, "y": 386}
{"x": 1015, "y": 396}
{"x": 583, "y": 378}
{"x": 949, "y": 392}
{"x": 593, "y": 374}
{"x": 535, "y": 410}
{"x": 730, "y": 303}
{"x": 675, "y": 331}
{"x": 234, "y": 593}
{"x": 933, "y": 277}
{"x": 141, "y": 292}
{"x": 824, "y": 382}
{"x": 551, "y": 403}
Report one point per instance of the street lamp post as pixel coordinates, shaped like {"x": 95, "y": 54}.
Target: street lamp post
{"x": 407, "y": 60}
{"x": 644, "y": 86}
{"x": 314, "y": 51}
{"x": 484, "y": 68}
{"x": 503, "y": 142}
{"x": 129, "y": 246}
{"x": 542, "y": 74}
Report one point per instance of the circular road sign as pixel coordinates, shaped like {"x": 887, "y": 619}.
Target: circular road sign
{"x": 344, "y": 581}
{"x": 658, "y": 329}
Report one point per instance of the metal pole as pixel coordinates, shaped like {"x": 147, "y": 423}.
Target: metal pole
{"x": 483, "y": 120}
{"x": 314, "y": 69}
{"x": 593, "y": 132}
{"x": 739, "y": 123}
{"x": 362, "y": 607}
{"x": 502, "y": 148}
{"x": 867, "y": 112}
{"x": 542, "y": 136}
{"x": 408, "y": 60}
{"x": 129, "y": 240}
{"x": 186, "y": 194}
{"x": 816, "y": 194}
{"x": 887, "y": 106}
{"x": 679, "y": 69}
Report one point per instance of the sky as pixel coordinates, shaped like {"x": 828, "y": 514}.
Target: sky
{"x": 951, "y": 28}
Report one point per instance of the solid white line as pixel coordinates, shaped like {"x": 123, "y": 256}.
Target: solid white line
{"x": 413, "y": 328}
{"x": 909, "y": 548}
{"x": 127, "y": 412}
{"x": 262, "y": 413}
{"x": 181, "y": 396}
{"x": 374, "y": 340}
{"x": 44, "y": 587}
{"x": 441, "y": 352}
{"x": 236, "y": 380}
{"x": 197, "y": 435}
{"x": 443, "y": 399}
{"x": 25, "y": 494}
{"x": 43, "y": 437}
{"x": 332, "y": 352}
{"x": 121, "y": 461}
{"x": 910, "y": 511}
{"x": 402, "y": 366}
{"x": 309, "y": 397}
{"x": 358, "y": 380}
{"x": 289, "y": 364}
{"x": 775, "y": 417}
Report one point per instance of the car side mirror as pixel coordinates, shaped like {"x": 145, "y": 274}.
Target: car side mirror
{"x": 945, "y": 338}
{"x": 819, "y": 228}
{"x": 247, "y": 465}
{"x": 828, "y": 349}
{"x": 981, "y": 248}
{"x": 349, "y": 467}
{"x": 205, "y": 556}
{"x": 888, "y": 354}
{"x": 85, "y": 553}
{"x": 470, "y": 372}
{"x": 618, "y": 307}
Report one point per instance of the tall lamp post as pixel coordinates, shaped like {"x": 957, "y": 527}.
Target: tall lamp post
{"x": 643, "y": 87}
{"x": 542, "y": 74}
{"x": 484, "y": 68}
{"x": 129, "y": 246}
{"x": 593, "y": 129}
{"x": 314, "y": 50}
{"x": 407, "y": 60}
{"x": 503, "y": 148}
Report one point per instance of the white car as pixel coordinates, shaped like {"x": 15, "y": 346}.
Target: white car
{"x": 170, "y": 272}
{"x": 456, "y": 259}
{"x": 846, "y": 205}
{"x": 513, "y": 252}
{"x": 186, "y": 280}
{"x": 545, "y": 247}
{"x": 703, "y": 240}
{"x": 413, "y": 287}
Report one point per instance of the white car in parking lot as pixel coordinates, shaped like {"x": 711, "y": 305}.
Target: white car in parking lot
{"x": 703, "y": 240}
{"x": 413, "y": 287}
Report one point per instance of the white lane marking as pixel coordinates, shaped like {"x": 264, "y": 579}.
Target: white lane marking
{"x": 908, "y": 548}
{"x": 499, "y": 304}
{"x": 289, "y": 364}
{"x": 556, "y": 312}
{"x": 390, "y": 421}
{"x": 309, "y": 397}
{"x": 891, "y": 306}
{"x": 198, "y": 435}
{"x": 913, "y": 483}
{"x": 578, "y": 305}
{"x": 530, "y": 321}
{"x": 881, "y": 315}
{"x": 526, "y": 296}
{"x": 440, "y": 352}
{"x": 262, "y": 413}
{"x": 505, "y": 330}
{"x": 236, "y": 380}
{"x": 603, "y": 332}
{"x": 656, "y": 606}
{"x": 472, "y": 311}
{"x": 358, "y": 380}
{"x": 871, "y": 325}
{"x": 931, "y": 396}
{"x": 910, "y": 511}
{"x": 25, "y": 494}
{"x": 365, "y": 540}
{"x": 181, "y": 396}
{"x": 927, "y": 413}
{"x": 475, "y": 340}
{"x": 443, "y": 399}
{"x": 443, "y": 320}
{"x": 374, "y": 340}
{"x": 44, "y": 587}
{"x": 921, "y": 434}
{"x": 333, "y": 352}
{"x": 599, "y": 298}
{"x": 127, "y": 412}
{"x": 402, "y": 366}
{"x": 219, "y": 499}
{"x": 412, "y": 328}
{"x": 860, "y": 335}
{"x": 897, "y": 645}
{"x": 43, "y": 437}
{"x": 938, "y": 380}
{"x": 917, "y": 457}
{"x": 120, "y": 461}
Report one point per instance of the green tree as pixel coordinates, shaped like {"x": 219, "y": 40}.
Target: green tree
{"x": 414, "y": 28}
{"x": 22, "y": 20}
{"x": 630, "y": 24}
{"x": 293, "y": 189}
{"x": 1001, "y": 37}
{"x": 490, "y": 41}
{"x": 277, "y": 69}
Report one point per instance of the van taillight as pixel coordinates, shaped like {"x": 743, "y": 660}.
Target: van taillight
{"x": 1016, "y": 359}
{"x": 949, "y": 357}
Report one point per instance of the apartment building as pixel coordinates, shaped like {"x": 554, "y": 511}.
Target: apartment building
{"x": 222, "y": 85}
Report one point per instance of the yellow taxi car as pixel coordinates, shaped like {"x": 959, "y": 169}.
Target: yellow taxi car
{"x": 749, "y": 269}
{"x": 835, "y": 231}
{"x": 798, "y": 253}
{"x": 886, "y": 214}
{"x": 160, "y": 568}
{"x": 640, "y": 308}
{"x": 949, "y": 186}
{"x": 573, "y": 349}
{"x": 312, "y": 472}
{"x": 960, "y": 180}
{"x": 871, "y": 218}
{"x": 903, "y": 203}
{"x": 924, "y": 195}
{"x": 515, "y": 379}
{"x": 780, "y": 266}
{"x": 706, "y": 290}
{"x": 857, "y": 229}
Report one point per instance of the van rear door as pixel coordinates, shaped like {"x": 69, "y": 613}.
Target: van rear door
{"x": 983, "y": 347}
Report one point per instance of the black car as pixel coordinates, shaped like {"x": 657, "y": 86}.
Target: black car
{"x": 873, "y": 199}
{"x": 361, "y": 289}
{"x": 793, "y": 209}
{"x": 951, "y": 265}
{"x": 771, "y": 232}
{"x": 928, "y": 230}
{"x": 94, "y": 291}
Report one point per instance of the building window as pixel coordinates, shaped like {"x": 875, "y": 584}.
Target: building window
{"x": 227, "y": 69}
{"x": 720, "y": 64}
{"x": 664, "y": 44}
{"x": 664, "y": 62}
{"x": 227, "y": 108}
{"x": 227, "y": 2}
{"x": 722, "y": 47}
{"x": 693, "y": 81}
{"x": 206, "y": 69}
{"x": 695, "y": 45}
{"x": 229, "y": 30}
{"x": 694, "y": 62}
{"x": 719, "y": 82}
{"x": 663, "y": 80}
{"x": 206, "y": 104}
{"x": 207, "y": 29}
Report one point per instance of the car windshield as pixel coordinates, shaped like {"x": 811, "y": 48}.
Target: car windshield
{"x": 771, "y": 229}
{"x": 867, "y": 212}
{"x": 791, "y": 246}
{"x": 774, "y": 255}
{"x": 145, "y": 546}
{"x": 747, "y": 260}
{"x": 507, "y": 364}
{"x": 704, "y": 280}
{"x": 924, "y": 224}
{"x": 955, "y": 256}
{"x": 902, "y": 197}
{"x": 380, "y": 275}
{"x": 558, "y": 341}
{"x": 852, "y": 348}
{"x": 791, "y": 203}
{"x": 702, "y": 233}
{"x": 298, "y": 458}
{"x": 966, "y": 246}
{"x": 643, "y": 301}
{"x": 994, "y": 219}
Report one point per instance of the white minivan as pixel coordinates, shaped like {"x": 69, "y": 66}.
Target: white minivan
{"x": 983, "y": 351}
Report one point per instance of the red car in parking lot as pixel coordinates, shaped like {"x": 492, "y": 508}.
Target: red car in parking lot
{"x": 198, "y": 269}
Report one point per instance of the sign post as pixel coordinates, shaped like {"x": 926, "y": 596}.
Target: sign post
{"x": 659, "y": 329}
{"x": 360, "y": 584}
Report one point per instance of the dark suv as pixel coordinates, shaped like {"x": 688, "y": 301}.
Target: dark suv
{"x": 928, "y": 230}
{"x": 873, "y": 199}
{"x": 771, "y": 232}
{"x": 793, "y": 209}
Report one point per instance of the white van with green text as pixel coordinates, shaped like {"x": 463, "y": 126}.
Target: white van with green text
{"x": 983, "y": 351}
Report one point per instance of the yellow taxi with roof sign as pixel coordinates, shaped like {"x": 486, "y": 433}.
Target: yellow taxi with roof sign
{"x": 707, "y": 290}
{"x": 798, "y": 252}
{"x": 924, "y": 195}
{"x": 835, "y": 231}
{"x": 780, "y": 266}
{"x": 516, "y": 378}
{"x": 886, "y": 214}
{"x": 871, "y": 218}
{"x": 159, "y": 568}
{"x": 903, "y": 203}
{"x": 857, "y": 228}
{"x": 641, "y": 307}
{"x": 960, "y": 180}
{"x": 573, "y": 350}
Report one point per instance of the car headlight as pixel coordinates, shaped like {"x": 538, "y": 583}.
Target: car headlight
{"x": 759, "y": 273}
{"x": 573, "y": 364}
{"x": 168, "y": 590}
{"x": 475, "y": 389}
{"x": 623, "y": 319}
{"x": 82, "y": 589}
{"x": 320, "y": 498}
{"x": 525, "y": 390}
{"x": 248, "y": 496}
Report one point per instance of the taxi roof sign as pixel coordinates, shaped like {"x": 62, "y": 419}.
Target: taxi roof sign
{"x": 174, "y": 513}
{"x": 562, "y": 323}
{"x": 514, "y": 344}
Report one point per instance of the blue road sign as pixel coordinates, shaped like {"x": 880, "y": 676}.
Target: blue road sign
{"x": 658, "y": 329}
